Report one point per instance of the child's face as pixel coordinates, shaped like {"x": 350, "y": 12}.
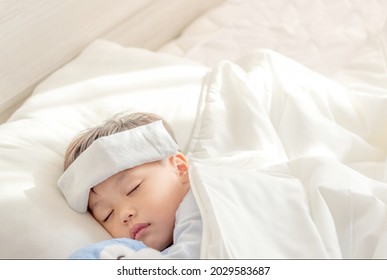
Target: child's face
{"x": 141, "y": 202}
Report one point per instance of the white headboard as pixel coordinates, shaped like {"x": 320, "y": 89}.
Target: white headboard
{"x": 37, "y": 37}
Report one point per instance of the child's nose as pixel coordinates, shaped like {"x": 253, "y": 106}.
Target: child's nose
{"x": 126, "y": 215}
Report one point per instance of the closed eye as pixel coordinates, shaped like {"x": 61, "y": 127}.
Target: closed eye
{"x": 133, "y": 190}
{"x": 108, "y": 216}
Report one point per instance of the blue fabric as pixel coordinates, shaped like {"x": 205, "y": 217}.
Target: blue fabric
{"x": 93, "y": 251}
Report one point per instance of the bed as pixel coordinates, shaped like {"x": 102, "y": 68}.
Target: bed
{"x": 280, "y": 106}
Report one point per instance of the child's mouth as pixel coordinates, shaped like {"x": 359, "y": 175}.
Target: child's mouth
{"x": 137, "y": 230}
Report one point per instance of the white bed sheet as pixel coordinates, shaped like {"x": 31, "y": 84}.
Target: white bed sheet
{"x": 320, "y": 34}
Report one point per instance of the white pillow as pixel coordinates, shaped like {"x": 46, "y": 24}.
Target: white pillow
{"x": 104, "y": 80}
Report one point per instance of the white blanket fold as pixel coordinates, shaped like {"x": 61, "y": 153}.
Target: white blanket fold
{"x": 289, "y": 164}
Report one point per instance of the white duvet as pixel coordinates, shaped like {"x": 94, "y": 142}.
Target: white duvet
{"x": 288, "y": 164}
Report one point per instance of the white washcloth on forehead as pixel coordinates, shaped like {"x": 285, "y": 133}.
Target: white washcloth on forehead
{"x": 109, "y": 155}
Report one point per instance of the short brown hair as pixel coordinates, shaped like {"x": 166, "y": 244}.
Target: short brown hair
{"x": 117, "y": 123}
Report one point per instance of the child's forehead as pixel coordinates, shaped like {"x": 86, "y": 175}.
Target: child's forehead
{"x": 126, "y": 175}
{"x": 115, "y": 179}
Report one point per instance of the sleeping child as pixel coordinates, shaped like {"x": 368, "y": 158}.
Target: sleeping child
{"x": 129, "y": 174}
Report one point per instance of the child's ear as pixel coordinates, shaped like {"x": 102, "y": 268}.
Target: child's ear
{"x": 180, "y": 163}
